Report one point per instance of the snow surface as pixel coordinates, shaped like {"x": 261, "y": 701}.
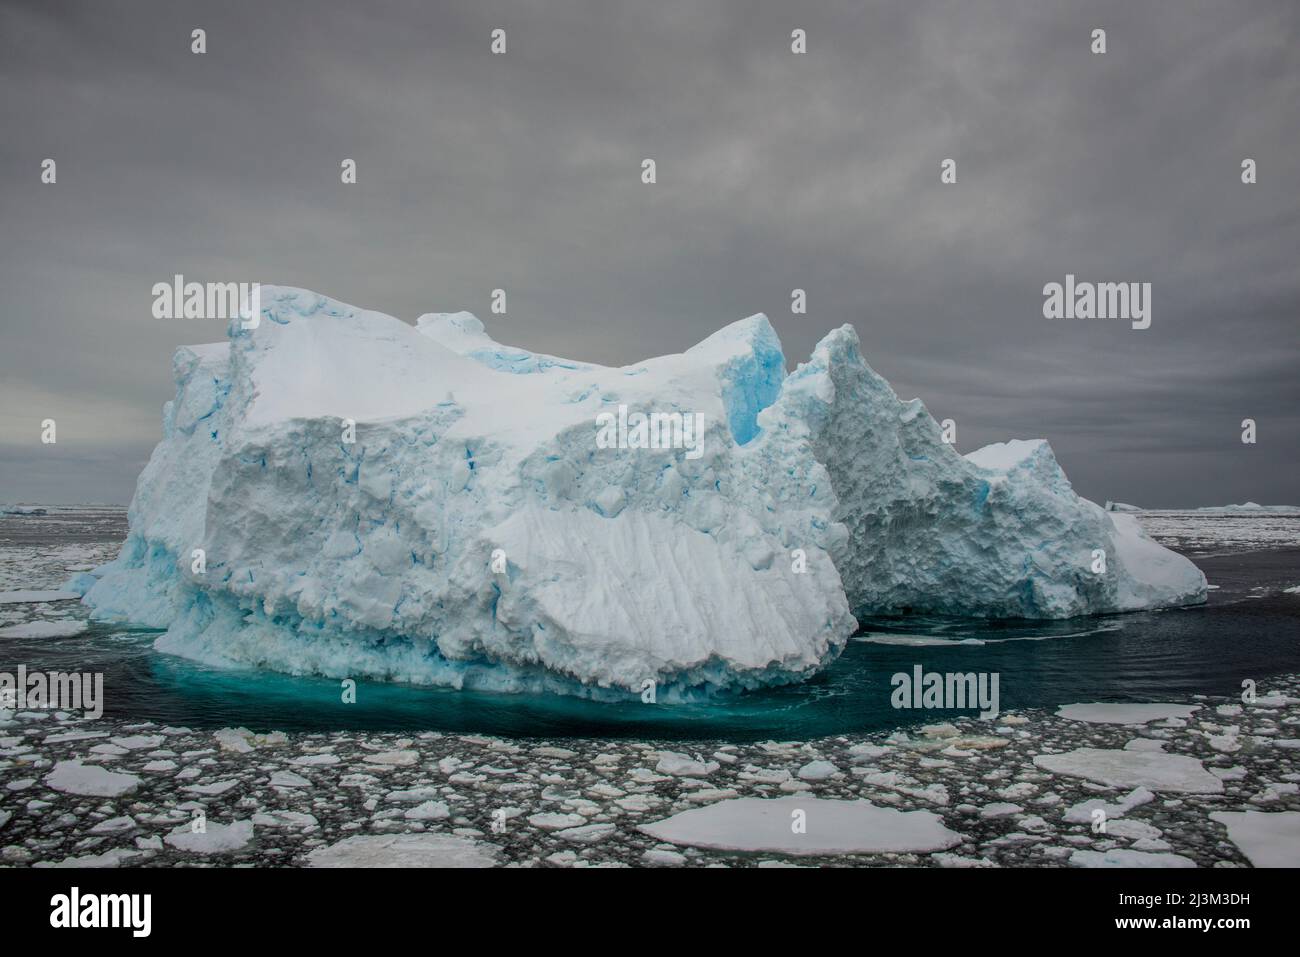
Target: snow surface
{"x": 1268, "y": 839}
{"x": 833, "y": 827}
{"x": 622, "y": 565}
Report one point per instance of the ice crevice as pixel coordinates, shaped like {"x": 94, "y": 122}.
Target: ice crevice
{"x": 812, "y": 497}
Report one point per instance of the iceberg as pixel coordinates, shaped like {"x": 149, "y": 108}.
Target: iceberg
{"x": 340, "y": 493}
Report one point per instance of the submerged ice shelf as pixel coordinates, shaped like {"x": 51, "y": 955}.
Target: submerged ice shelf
{"x": 423, "y": 504}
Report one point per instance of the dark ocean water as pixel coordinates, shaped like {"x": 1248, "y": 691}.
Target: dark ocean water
{"x": 1250, "y": 629}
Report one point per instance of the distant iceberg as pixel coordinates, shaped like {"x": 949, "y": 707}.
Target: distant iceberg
{"x": 340, "y": 493}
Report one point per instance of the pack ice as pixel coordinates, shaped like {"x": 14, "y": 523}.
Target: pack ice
{"x": 421, "y": 503}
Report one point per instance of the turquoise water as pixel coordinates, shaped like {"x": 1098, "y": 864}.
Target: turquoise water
{"x": 1250, "y": 629}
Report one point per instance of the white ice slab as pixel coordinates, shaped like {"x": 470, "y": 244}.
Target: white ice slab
{"x": 1125, "y": 713}
{"x": 403, "y": 850}
{"x": 1268, "y": 839}
{"x": 1123, "y": 857}
{"x": 1132, "y": 769}
{"x": 214, "y": 839}
{"x": 73, "y": 777}
{"x": 17, "y": 597}
{"x": 44, "y": 629}
{"x": 832, "y": 827}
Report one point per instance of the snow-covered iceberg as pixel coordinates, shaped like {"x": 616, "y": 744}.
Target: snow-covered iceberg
{"x": 340, "y": 493}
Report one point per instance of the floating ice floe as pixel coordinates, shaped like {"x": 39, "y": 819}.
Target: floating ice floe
{"x": 213, "y": 839}
{"x": 279, "y": 818}
{"x": 682, "y": 766}
{"x": 1132, "y": 769}
{"x": 403, "y": 850}
{"x": 73, "y": 777}
{"x": 1126, "y": 857}
{"x": 1125, "y": 713}
{"x": 242, "y": 741}
{"x": 425, "y": 504}
{"x": 111, "y": 858}
{"x": 287, "y": 779}
{"x": 832, "y": 827}
{"x": 17, "y": 597}
{"x": 115, "y": 825}
{"x": 1267, "y": 838}
{"x": 1082, "y": 813}
{"x": 44, "y": 629}
{"x": 583, "y": 802}
{"x": 212, "y": 790}
{"x": 817, "y": 771}
{"x": 428, "y": 811}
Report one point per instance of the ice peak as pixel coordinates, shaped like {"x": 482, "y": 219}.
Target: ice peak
{"x": 750, "y": 368}
{"x": 458, "y": 331}
{"x": 1004, "y": 456}
{"x": 752, "y": 335}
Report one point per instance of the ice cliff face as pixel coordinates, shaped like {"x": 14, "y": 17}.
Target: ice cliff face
{"x": 424, "y": 504}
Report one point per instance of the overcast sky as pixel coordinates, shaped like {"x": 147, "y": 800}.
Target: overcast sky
{"x": 775, "y": 171}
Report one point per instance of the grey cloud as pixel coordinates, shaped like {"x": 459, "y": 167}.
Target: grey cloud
{"x": 775, "y": 171}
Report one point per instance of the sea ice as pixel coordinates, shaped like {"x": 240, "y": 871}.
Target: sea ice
{"x": 1154, "y": 770}
{"x": 73, "y": 777}
{"x": 817, "y": 771}
{"x": 287, "y": 779}
{"x": 1125, "y": 857}
{"x": 1081, "y": 813}
{"x": 213, "y": 839}
{"x": 1123, "y": 713}
{"x": 833, "y": 827}
{"x": 44, "y": 629}
{"x": 1267, "y": 838}
{"x": 16, "y": 597}
{"x": 680, "y": 765}
{"x": 110, "y": 858}
{"x": 403, "y": 850}
{"x": 428, "y": 811}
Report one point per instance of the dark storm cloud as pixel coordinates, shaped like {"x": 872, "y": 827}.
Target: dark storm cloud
{"x": 775, "y": 171}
